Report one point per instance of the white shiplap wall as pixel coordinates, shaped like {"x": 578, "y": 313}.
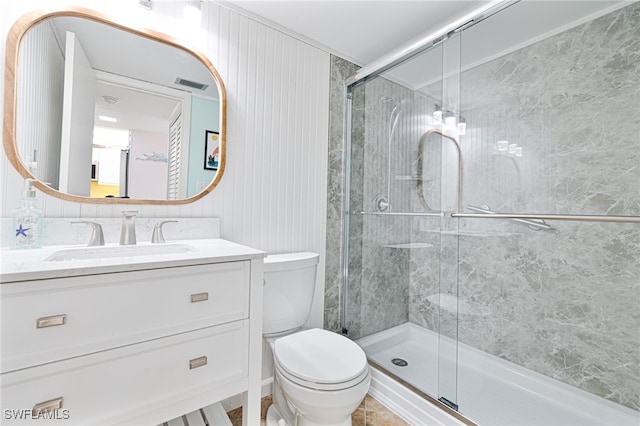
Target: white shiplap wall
{"x": 40, "y": 92}
{"x": 273, "y": 193}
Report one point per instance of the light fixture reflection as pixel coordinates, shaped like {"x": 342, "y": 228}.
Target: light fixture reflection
{"x": 462, "y": 126}
{"x": 437, "y": 116}
{"x": 192, "y": 13}
{"x": 108, "y": 118}
{"x": 453, "y": 122}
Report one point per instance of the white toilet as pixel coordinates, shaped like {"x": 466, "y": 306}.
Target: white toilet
{"x": 320, "y": 377}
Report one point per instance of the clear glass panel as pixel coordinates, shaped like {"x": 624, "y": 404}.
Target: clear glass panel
{"x": 448, "y": 295}
{"x": 550, "y": 316}
{"x": 392, "y": 293}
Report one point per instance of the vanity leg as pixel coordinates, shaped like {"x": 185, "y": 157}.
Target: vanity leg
{"x": 251, "y": 398}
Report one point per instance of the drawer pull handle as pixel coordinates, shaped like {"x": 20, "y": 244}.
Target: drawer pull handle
{"x": 51, "y": 321}
{"x": 199, "y": 297}
{"x": 197, "y": 362}
{"x": 50, "y": 405}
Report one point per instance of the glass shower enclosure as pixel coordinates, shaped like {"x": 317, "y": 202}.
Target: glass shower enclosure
{"x": 492, "y": 216}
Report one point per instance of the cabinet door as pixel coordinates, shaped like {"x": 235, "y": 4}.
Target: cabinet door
{"x": 51, "y": 320}
{"x": 147, "y": 383}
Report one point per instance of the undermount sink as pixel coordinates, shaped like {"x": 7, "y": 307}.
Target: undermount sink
{"x": 118, "y": 251}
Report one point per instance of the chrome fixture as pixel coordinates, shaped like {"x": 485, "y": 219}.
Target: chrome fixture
{"x": 381, "y": 202}
{"x": 536, "y": 225}
{"x": 158, "y": 236}
{"x": 51, "y": 321}
{"x": 565, "y": 217}
{"x": 97, "y": 236}
{"x": 434, "y": 214}
{"x": 128, "y": 231}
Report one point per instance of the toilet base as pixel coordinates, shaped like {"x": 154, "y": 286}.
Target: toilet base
{"x": 274, "y": 418}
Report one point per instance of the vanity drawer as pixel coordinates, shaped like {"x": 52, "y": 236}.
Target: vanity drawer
{"x": 51, "y": 320}
{"x": 137, "y": 383}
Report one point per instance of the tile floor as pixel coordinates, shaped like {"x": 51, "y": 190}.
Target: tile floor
{"x": 370, "y": 413}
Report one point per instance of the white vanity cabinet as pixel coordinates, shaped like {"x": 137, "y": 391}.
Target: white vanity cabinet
{"x": 140, "y": 346}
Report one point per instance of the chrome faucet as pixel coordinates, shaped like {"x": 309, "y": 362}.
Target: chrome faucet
{"x": 157, "y": 236}
{"x": 97, "y": 236}
{"x": 128, "y": 231}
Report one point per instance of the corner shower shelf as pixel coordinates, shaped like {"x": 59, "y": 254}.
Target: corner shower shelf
{"x": 409, "y": 246}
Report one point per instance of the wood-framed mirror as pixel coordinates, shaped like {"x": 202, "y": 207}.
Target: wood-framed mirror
{"x": 99, "y": 112}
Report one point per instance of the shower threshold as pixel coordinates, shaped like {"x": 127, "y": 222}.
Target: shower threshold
{"x": 490, "y": 390}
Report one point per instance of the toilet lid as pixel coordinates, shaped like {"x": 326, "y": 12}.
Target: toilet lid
{"x": 320, "y": 356}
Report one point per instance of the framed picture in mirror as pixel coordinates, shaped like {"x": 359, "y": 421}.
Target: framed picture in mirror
{"x": 211, "y": 150}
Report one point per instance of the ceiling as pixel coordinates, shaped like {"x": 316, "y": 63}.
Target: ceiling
{"x": 138, "y": 73}
{"x": 363, "y": 31}
{"x": 356, "y": 30}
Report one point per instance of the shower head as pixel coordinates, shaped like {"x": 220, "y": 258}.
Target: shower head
{"x": 395, "y": 112}
{"x": 396, "y": 104}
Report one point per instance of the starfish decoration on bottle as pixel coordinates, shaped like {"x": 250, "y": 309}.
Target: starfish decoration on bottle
{"x": 22, "y": 231}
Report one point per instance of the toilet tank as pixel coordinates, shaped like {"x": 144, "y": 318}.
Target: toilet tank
{"x": 289, "y": 284}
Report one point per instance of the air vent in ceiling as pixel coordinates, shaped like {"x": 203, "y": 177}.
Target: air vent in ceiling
{"x": 192, "y": 84}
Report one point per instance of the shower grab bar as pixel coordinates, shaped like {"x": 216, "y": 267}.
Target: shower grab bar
{"x": 531, "y": 223}
{"x": 578, "y": 218}
{"x": 435, "y": 214}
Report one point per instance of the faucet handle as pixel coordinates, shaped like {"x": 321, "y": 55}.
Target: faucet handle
{"x": 158, "y": 236}
{"x": 97, "y": 236}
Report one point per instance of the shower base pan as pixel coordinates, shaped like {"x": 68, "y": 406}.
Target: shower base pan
{"x": 490, "y": 390}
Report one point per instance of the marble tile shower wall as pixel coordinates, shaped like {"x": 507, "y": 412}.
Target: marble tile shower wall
{"x": 378, "y": 289}
{"x": 380, "y": 279}
{"x": 563, "y": 302}
{"x": 378, "y": 284}
{"x": 340, "y": 71}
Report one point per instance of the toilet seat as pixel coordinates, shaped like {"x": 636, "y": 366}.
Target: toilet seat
{"x": 320, "y": 359}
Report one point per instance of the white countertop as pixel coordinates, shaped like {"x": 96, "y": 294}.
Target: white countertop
{"x": 30, "y": 264}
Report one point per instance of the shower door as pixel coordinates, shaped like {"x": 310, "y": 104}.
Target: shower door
{"x": 492, "y": 216}
{"x": 402, "y": 180}
{"x": 550, "y": 307}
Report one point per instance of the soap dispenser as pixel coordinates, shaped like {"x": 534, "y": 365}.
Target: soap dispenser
{"x": 27, "y": 220}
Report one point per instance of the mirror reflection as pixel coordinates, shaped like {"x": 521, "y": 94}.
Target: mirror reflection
{"x": 439, "y": 171}
{"x": 102, "y": 112}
